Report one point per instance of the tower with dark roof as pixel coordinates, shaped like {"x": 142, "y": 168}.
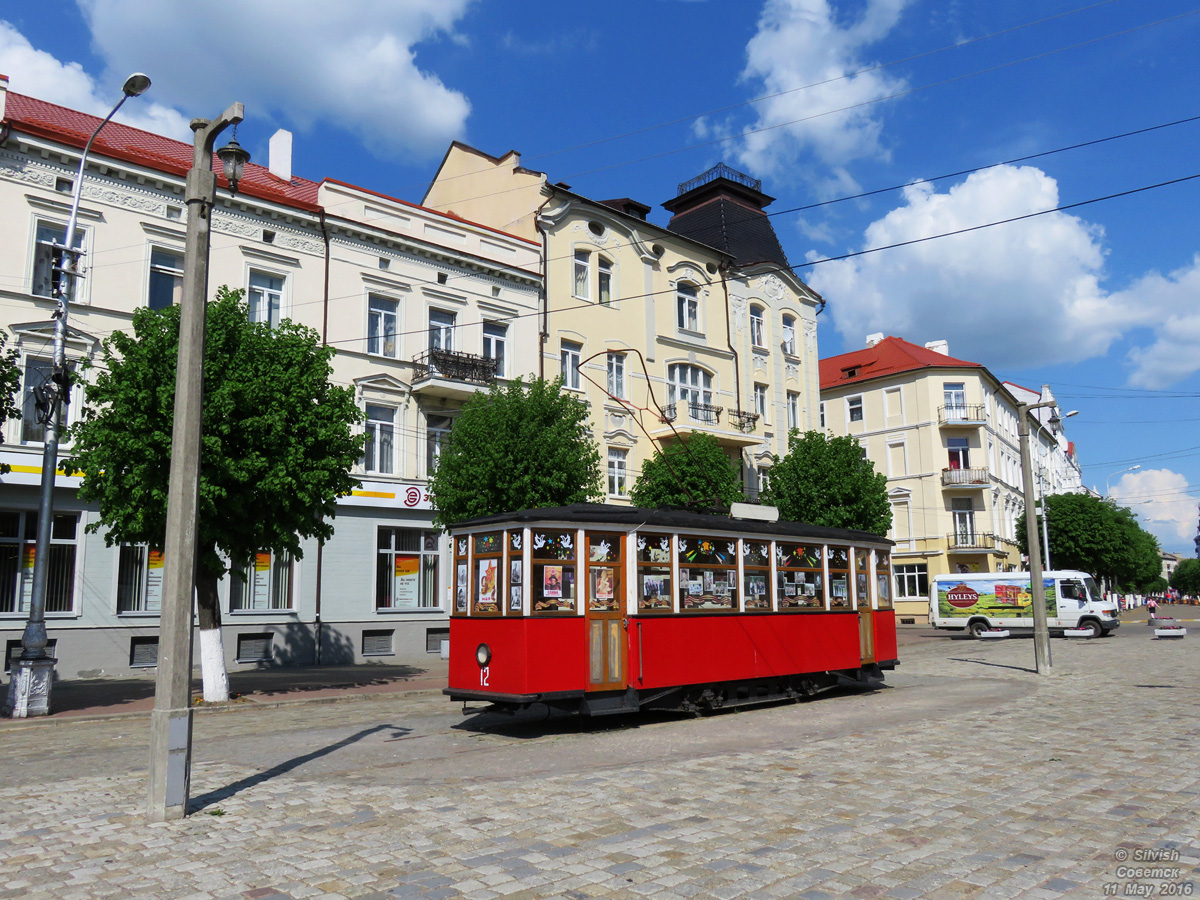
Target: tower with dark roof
{"x": 724, "y": 209}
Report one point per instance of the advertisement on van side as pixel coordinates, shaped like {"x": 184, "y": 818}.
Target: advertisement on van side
{"x": 998, "y": 599}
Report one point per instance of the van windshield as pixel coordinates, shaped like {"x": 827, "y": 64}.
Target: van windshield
{"x": 1092, "y": 589}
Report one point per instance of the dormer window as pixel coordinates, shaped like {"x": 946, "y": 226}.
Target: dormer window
{"x": 851, "y": 373}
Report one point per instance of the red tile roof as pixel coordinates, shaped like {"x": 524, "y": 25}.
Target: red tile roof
{"x": 73, "y": 128}
{"x": 890, "y": 356}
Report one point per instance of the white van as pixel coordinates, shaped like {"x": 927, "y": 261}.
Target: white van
{"x": 978, "y": 601}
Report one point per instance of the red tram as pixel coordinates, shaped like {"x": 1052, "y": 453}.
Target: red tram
{"x": 611, "y": 609}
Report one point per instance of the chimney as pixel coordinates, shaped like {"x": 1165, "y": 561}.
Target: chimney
{"x": 279, "y": 156}
{"x": 873, "y": 339}
{"x": 3, "y": 94}
{"x": 942, "y": 347}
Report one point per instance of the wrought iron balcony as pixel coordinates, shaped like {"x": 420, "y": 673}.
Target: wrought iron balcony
{"x": 454, "y": 366}
{"x": 743, "y": 421}
{"x": 970, "y": 540}
{"x": 962, "y": 414}
{"x": 668, "y": 413}
{"x": 705, "y": 413}
{"x": 972, "y": 477}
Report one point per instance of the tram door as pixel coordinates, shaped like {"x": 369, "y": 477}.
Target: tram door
{"x": 866, "y": 624}
{"x": 605, "y": 612}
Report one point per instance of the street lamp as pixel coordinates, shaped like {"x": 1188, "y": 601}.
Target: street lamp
{"x": 33, "y": 674}
{"x": 171, "y": 719}
{"x": 1041, "y": 631}
{"x": 1108, "y": 481}
{"x": 1054, "y": 420}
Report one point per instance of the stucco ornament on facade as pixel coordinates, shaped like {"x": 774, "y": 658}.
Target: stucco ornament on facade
{"x": 773, "y": 287}
{"x": 27, "y": 174}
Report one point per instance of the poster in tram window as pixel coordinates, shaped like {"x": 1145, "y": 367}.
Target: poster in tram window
{"x": 408, "y": 582}
{"x": 154, "y": 579}
{"x": 487, "y": 582}
{"x": 262, "y": 581}
{"x": 460, "y": 589}
{"x": 552, "y": 581}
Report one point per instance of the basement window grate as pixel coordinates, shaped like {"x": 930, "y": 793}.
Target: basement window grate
{"x": 253, "y": 648}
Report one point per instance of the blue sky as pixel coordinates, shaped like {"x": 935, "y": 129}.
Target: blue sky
{"x": 631, "y": 97}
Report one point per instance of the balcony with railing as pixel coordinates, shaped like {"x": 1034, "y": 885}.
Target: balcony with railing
{"x": 969, "y": 414}
{"x": 976, "y": 477}
{"x": 743, "y": 421}
{"x": 679, "y": 419}
{"x": 450, "y": 373}
{"x": 970, "y": 541}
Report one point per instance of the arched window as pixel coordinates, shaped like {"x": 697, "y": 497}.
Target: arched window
{"x": 789, "y": 335}
{"x": 690, "y": 387}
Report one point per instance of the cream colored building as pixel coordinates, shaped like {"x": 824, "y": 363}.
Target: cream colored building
{"x": 699, "y": 325}
{"x": 944, "y": 431}
{"x": 424, "y": 309}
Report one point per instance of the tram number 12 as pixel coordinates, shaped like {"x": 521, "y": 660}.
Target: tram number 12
{"x": 484, "y": 673}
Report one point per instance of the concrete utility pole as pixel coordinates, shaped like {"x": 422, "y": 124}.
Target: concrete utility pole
{"x": 171, "y": 720}
{"x": 1041, "y": 630}
{"x": 33, "y": 674}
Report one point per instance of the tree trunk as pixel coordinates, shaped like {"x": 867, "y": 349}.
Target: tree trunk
{"x": 212, "y": 647}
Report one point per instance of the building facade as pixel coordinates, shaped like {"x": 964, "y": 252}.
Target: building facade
{"x": 945, "y": 433}
{"x": 424, "y": 309}
{"x": 698, "y": 326}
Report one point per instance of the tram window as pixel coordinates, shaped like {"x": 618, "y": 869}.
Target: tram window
{"x": 654, "y": 572}
{"x": 552, "y": 581}
{"x": 604, "y": 566}
{"x": 839, "y": 578}
{"x": 756, "y": 563}
{"x": 800, "y": 576}
{"x": 707, "y": 573}
{"x": 883, "y": 579}
{"x": 489, "y": 574}
{"x": 461, "y": 580}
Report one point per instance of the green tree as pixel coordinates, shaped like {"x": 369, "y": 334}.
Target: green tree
{"x": 276, "y": 450}
{"x": 10, "y": 386}
{"x": 695, "y": 473}
{"x": 1186, "y": 577}
{"x": 1100, "y": 538}
{"x": 520, "y": 446}
{"x": 827, "y": 481}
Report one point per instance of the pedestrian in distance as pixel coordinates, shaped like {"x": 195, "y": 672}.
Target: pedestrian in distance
{"x": 1152, "y": 608}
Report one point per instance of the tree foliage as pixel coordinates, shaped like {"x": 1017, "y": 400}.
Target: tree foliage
{"x": 277, "y": 445}
{"x": 10, "y": 387}
{"x": 1100, "y": 538}
{"x": 520, "y": 446}
{"x": 827, "y": 481}
{"x": 1186, "y": 577}
{"x": 695, "y": 473}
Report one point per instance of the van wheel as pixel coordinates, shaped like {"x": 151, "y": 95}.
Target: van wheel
{"x": 978, "y": 627}
{"x": 1093, "y": 626}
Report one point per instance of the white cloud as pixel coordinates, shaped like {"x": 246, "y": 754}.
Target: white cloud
{"x": 301, "y": 61}
{"x": 36, "y": 73}
{"x": 1175, "y": 352}
{"x": 799, "y": 43}
{"x": 1160, "y": 499}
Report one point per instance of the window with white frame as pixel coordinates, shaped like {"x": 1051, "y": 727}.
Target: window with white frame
{"x": 954, "y": 395}
{"x": 793, "y": 410}
{"x": 139, "y": 579}
{"x": 912, "y": 581}
{"x": 854, "y": 409}
{"x": 437, "y": 432}
{"x": 688, "y": 385}
{"x": 266, "y": 584}
{"x": 166, "y": 278}
{"x": 616, "y": 374}
{"x": 604, "y": 273}
{"x": 382, "y": 325}
{"x": 495, "y": 337}
{"x": 583, "y": 273}
{"x": 441, "y": 330}
{"x": 687, "y": 301}
{"x": 265, "y": 297}
{"x": 406, "y": 574}
{"x": 617, "y": 472}
{"x": 959, "y": 451}
{"x": 760, "y": 400}
{"x": 379, "y": 454}
{"x": 39, "y": 383}
{"x": 789, "y": 335}
{"x": 570, "y": 356}
{"x": 49, "y": 238}
{"x": 757, "y": 327}
{"x": 18, "y": 538}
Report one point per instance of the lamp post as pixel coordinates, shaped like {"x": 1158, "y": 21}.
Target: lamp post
{"x": 33, "y": 674}
{"x": 171, "y": 719}
{"x": 1108, "y": 481}
{"x": 1041, "y": 631}
{"x": 1045, "y": 511}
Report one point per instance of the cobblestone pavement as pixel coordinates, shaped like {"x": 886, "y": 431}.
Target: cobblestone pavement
{"x": 968, "y": 777}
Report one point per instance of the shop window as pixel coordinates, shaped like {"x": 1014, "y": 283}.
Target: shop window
{"x": 406, "y": 574}
{"x": 139, "y": 579}
{"x": 18, "y": 544}
{"x": 266, "y": 584}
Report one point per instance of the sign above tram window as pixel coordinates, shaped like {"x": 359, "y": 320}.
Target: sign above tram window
{"x": 798, "y": 556}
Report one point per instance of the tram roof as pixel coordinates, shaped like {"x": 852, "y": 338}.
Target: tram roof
{"x": 613, "y": 516}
